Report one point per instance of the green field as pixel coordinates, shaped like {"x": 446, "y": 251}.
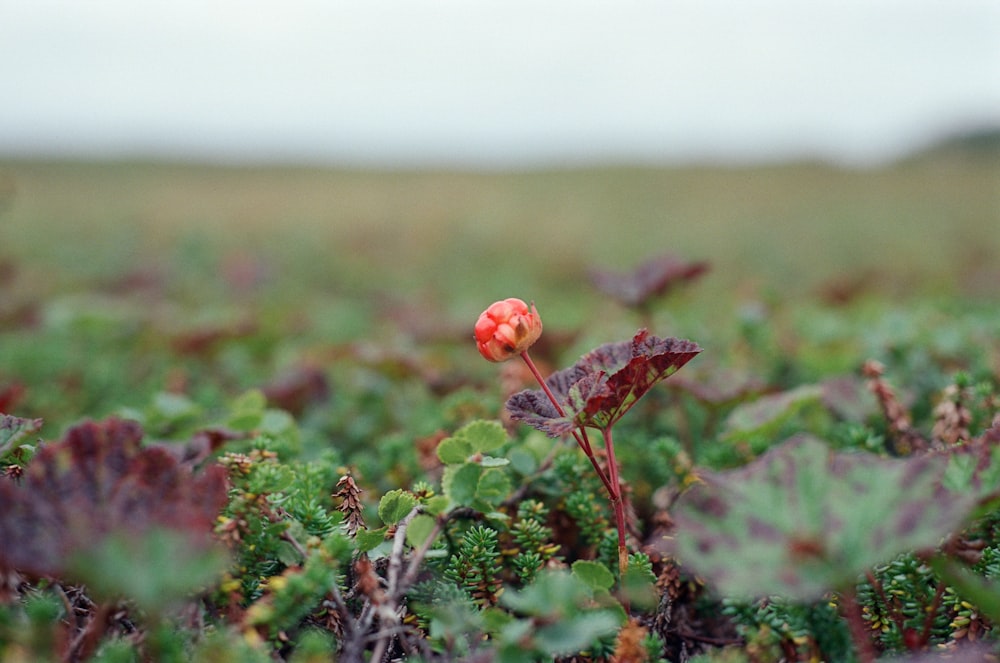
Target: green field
{"x": 169, "y": 294}
{"x": 922, "y": 226}
{"x": 327, "y": 244}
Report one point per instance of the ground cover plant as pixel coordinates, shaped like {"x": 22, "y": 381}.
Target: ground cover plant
{"x": 221, "y": 442}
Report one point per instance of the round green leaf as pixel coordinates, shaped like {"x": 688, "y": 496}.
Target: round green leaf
{"x": 460, "y": 483}
{"x": 419, "y": 529}
{"x": 484, "y": 436}
{"x": 594, "y": 574}
{"x": 394, "y": 506}
{"x": 452, "y": 450}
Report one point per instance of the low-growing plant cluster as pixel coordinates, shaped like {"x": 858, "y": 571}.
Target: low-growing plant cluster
{"x": 768, "y": 496}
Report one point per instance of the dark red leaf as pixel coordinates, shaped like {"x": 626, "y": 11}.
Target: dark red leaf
{"x": 10, "y": 395}
{"x": 203, "y": 341}
{"x": 650, "y": 279}
{"x": 603, "y": 385}
{"x": 719, "y": 387}
{"x": 96, "y": 481}
{"x": 298, "y": 389}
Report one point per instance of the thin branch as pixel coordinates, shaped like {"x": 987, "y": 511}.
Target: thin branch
{"x": 388, "y": 611}
{"x": 395, "y": 589}
{"x": 891, "y": 608}
{"x": 299, "y": 548}
{"x": 932, "y": 613}
{"x": 856, "y": 625}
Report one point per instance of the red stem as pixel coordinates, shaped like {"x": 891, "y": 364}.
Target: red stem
{"x": 580, "y": 436}
{"x": 616, "y": 500}
{"x": 863, "y": 646}
{"x": 538, "y": 376}
{"x": 925, "y": 636}
{"x": 609, "y": 478}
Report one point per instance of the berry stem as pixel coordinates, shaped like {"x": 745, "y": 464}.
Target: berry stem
{"x": 616, "y": 499}
{"x": 609, "y": 478}
{"x": 580, "y": 436}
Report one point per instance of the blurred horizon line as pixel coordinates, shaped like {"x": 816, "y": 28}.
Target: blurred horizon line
{"x": 972, "y": 137}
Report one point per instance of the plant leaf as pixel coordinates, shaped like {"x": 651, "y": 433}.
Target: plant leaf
{"x": 100, "y": 480}
{"x": 395, "y": 505}
{"x": 768, "y": 413}
{"x": 153, "y": 569}
{"x": 484, "y": 436}
{"x": 14, "y": 428}
{"x": 650, "y": 279}
{"x": 603, "y": 385}
{"x": 420, "y": 528}
{"x": 802, "y": 520}
{"x": 453, "y": 450}
{"x": 369, "y": 539}
{"x": 460, "y": 482}
{"x": 594, "y": 574}
{"x": 493, "y": 487}
{"x": 476, "y": 437}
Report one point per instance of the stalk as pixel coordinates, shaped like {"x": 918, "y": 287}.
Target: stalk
{"x": 863, "y": 646}
{"x": 610, "y": 478}
{"x": 579, "y": 435}
{"x": 616, "y": 500}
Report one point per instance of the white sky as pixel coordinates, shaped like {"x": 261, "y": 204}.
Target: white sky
{"x": 494, "y": 82}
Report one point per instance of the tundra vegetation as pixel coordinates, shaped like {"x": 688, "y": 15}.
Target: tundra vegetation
{"x": 243, "y": 416}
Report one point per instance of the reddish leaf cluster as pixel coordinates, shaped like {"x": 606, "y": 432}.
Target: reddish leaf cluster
{"x": 603, "y": 385}
{"x": 297, "y": 390}
{"x": 650, "y": 279}
{"x": 11, "y": 394}
{"x": 99, "y": 480}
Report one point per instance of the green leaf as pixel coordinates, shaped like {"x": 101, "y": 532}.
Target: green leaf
{"x": 594, "y": 574}
{"x": 395, "y": 505}
{"x": 639, "y": 588}
{"x": 154, "y": 569}
{"x": 959, "y": 474}
{"x": 801, "y": 520}
{"x": 477, "y": 437}
{"x": 172, "y": 411}
{"x": 768, "y": 413}
{"x": 369, "y": 539}
{"x": 562, "y": 602}
{"x": 453, "y": 450}
{"x": 14, "y": 428}
{"x": 436, "y": 505}
{"x": 493, "y": 486}
{"x": 983, "y": 593}
{"x": 419, "y": 529}
{"x": 247, "y": 411}
{"x": 553, "y": 592}
{"x": 484, "y": 436}
{"x": 568, "y": 636}
{"x": 460, "y": 483}
{"x": 523, "y": 462}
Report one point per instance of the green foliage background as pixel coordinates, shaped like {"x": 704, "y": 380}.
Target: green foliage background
{"x": 168, "y": 293}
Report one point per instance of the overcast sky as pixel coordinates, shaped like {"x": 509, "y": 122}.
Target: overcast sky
{"x": 494, "y": 82}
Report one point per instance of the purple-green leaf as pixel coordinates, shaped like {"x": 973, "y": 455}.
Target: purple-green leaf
{"x": 14, "y": 428}
{"x": 801, "y": 520}
{"x": 99, "y": 481}
{"x": 650, "y": 279}
{"x": 769, "y": 412}
{"x": 603, "y": 385}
